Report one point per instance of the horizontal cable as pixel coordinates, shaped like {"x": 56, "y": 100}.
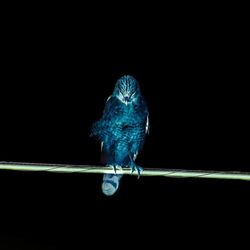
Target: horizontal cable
{"x": 67, "y": 168}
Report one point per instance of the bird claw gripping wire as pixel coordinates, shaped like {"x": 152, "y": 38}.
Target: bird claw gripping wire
{"x": 116, "y": 168}
{"x": 139, "y": 169}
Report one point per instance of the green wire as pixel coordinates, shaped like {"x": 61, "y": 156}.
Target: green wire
{"x": 65, "y": 168}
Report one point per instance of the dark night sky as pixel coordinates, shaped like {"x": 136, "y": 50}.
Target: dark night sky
{"x": 56, "y": 79}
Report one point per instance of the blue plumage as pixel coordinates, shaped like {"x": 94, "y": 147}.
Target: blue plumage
{"x": 123, "y": 125}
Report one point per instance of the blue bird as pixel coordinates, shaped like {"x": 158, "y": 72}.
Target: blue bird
{"x": 122, "y": 129}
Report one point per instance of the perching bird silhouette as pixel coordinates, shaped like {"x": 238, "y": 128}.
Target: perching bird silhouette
{"x": 122, "y": 130}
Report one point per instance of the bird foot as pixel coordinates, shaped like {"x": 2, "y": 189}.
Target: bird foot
{"x": 116, "y": 168}
{"x": 139, "y": 169}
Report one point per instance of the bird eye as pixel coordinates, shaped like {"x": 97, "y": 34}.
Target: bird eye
{"x": 133, "y": 95}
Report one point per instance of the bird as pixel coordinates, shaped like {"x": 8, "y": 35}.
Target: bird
{"x": 122, "y": 130}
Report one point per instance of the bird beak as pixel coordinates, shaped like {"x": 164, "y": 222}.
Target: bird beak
{"x": 126, "y": 99}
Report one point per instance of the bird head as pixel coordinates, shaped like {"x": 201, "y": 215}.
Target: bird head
{"x": 126, "y": 89}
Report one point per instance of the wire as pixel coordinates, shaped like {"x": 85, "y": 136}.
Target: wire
{"x": 67, "y": 168}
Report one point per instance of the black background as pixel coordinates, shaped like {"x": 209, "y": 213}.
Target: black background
{"x": 58, "y": 70}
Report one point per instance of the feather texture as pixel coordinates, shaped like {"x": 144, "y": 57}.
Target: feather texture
{"x": 123, "y": 125}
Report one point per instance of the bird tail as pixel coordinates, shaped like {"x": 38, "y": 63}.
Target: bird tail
{"x": 111, "y": 183}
